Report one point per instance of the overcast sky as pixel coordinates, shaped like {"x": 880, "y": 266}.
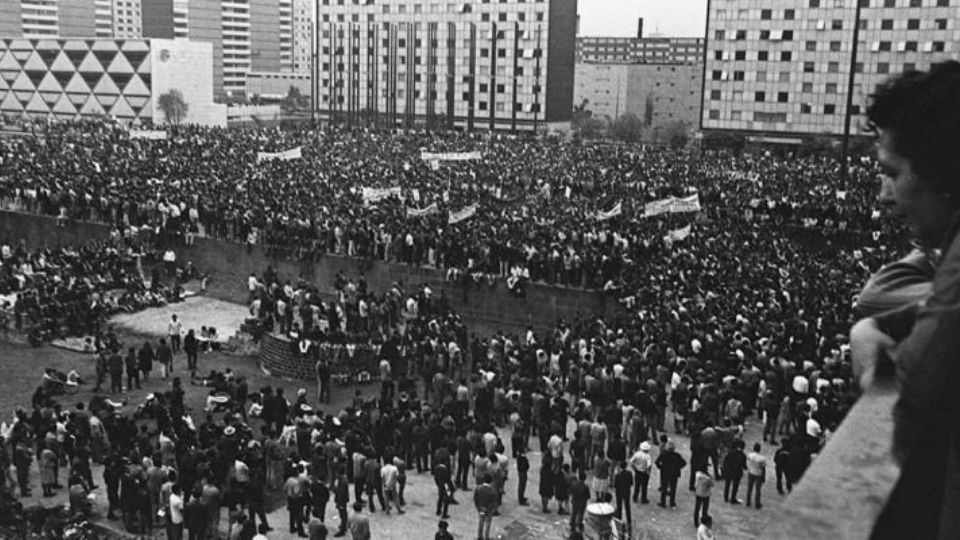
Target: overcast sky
{"x": 671, "y": 18}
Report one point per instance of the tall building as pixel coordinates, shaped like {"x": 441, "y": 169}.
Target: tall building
{"x": 474, "y": 64}
{"x": 637, "y": 50}
{"x": 783, "y": 66}
{"x": 302, "y": 35}
{"x": 657, "y": 94}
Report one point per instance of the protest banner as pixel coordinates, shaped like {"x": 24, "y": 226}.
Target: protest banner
{"x": 151, "y": 134}
{"x": 373, "y": 195}
{"x": 677, "y": 235}
{"x": 449, "y": 156}
{"x": 293, "y": 153}
{"x": 421, "y": 212}
{"x": 462, "y": 214}
{"x": 610, "y": 214}
{"x": 681, "y": 205}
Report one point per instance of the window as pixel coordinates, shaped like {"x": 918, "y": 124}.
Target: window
{"x": 789, "y": 14}
{"x": 889, "y": 3}
{"x": 807, "y": 87}
{"x": 784, "y": 76}
{"x": 501, "y": 53}
{"x": 916, "y": 3}
{"x": 938, "y": 46}
{"x": 833, "y": 67}
{"x": 502, "y": 17}
{"x": 714, "y": 114}
{"x": 783, "y": 97}
{"x": 718, "y": 55}
{"x": 738, "y": 75}
{"x": 805, "y": 108}
{"x": 884, "y": 46}
{"x": 719, "y": 35}
{"x": 811, "y": 46}
{"x": 883, "y": 67}
{"x": 761, "y": 116}
{"x": 764, "y": 34}
{"x": 740, "y": 55}
{"x": 940, "y": 24}
{"x": 766, "y": 14}
{"x": 715, "y": 75}
{"x": 829, "y": 108}
{"x": 854, "y": 110}
{"x": 788, "y": 35}
{"x": 909, "y": 66}
{"x": 809, "y": 67}
{"x": 715, "y": 95}
{"x": 943, "y": 3}
{"x": 913, "y": 24}
{"x": 484, "y": 53}
{"x": 761, "y": 76}
{"x": 886, "y": 24}
{"x": 835, "y": 46}
{"x": 759, "y": 96}
{"x": 837, "y": 24}
{"x": 911, "y": 46}
{"x": 741, "y": 35}
{"x": 763, "y": 55}
{"x": 814, "y": 3}
{"x": 786, "y": 56}
{"x": 483, "y": 88}
{"x": 482, "y": 105}
{"x": 831, "y": 88}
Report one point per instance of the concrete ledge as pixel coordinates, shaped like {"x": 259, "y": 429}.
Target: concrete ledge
{"x": 847, "y": 485}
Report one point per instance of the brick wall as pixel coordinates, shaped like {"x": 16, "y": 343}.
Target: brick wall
{"x": 485, "y": 308}
{"x": 279, "y": 357}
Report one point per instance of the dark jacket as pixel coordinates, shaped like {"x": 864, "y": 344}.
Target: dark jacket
{"x": 670, "y": 464}
{"x": 734, "y": 464}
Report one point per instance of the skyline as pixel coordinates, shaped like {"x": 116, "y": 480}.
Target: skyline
{"x": 618, "y": 18}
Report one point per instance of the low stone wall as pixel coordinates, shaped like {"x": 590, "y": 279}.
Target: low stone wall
{"x": 485, "y": 307}
{"x": 279, "y": 357}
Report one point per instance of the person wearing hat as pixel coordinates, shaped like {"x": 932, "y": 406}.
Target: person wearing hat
{"x": 641, "y": 462}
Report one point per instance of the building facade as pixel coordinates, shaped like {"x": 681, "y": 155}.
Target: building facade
{"x": 637, "y": 50}
{"x": 65, "y": 79}
{"x": 657, "y": 94}
{"x": 783, "y": 66}
{"x": 477, "y": 64}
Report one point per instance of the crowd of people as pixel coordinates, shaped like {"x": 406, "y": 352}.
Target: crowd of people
{"x": 744, "y": 318}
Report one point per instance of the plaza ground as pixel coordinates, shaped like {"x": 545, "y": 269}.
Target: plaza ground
{"x": 23, "y": 366}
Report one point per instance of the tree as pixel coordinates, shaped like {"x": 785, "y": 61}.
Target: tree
{"x": 677, "y": 133}
{"x": 583, "y": 124}
{"x": 628, "y": 128}
{"x": 294, "y": 99}
{"x": 173, "y": 106}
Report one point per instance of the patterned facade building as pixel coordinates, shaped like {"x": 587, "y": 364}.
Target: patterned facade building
{"x": 635, "y": 50}
{"x": 783, "y": 66}
{"x": 505, "y": 64}
{"x": 63, "y": 78}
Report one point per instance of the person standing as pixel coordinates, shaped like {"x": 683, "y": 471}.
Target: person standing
{"x": 191, "y": 346}
{"x": 293, "y": 489}
{"x": 756, "y": 475}
{"x": 22, "y": 458}
{"x": 115, "y": 364}
{"x": 341, "y": 498}
{"x": 546, "y": 482}
{"x": 359, "y": 523}
{"x": 196, "y": 517}
{"x": 523, "y": 468}
{"x": 485, "y": 499}
{"x": 174, "y": 330}
{"x": 734, "y": 464}
{"x": 704, "y": 487}
{"x": 322, "y": 368}
{"x": 389, "y": 475}
{"x": 145, "y": 360}
{"x": 579, "y": 497}
{"x": 561, "y": 490}
{"x": 601, "y": 475}
{"x": 670, "y": 464}
{"x": 176, "y": 513}
{"x": 641, "y": 462}
{"x": 48, "y": 467}
{"x": 441, "y": 476}
{"x": 781, "y": 463}
{"x": 133, "y": 369}
{"x": 102, "y": 369}
{"x": 622, "y": 483}
{"x": 165, "y": 359}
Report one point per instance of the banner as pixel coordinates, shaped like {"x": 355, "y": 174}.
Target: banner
{"x": 672, "y": 205}
{"x": 372, "y": 195}
{"x": 610, "y": 214}
{"x": 294, "y": 153}
{"x": 152, "y": 134}
{"x": 460, "y": 215}
{"x": 449, "y": 156}
{"x": 677, "y": 235}
{"x": 421, "y": 212}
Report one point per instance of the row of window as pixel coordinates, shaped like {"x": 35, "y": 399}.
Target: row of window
{"x": 882, "y": 68}
{"x": 885, "y": 3}
{"x": 787, "y": 35}
{"x": 828, "y": 109}
{"x": 834, "y": 46}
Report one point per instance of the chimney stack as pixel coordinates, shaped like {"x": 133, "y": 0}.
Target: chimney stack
{"x": 640, "y": 28}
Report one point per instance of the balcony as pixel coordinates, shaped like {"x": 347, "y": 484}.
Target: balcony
{"x": 848, "y": 484}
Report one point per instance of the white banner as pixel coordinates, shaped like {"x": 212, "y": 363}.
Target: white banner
{"x": 152, "y": 134}
{"x": 677, "y": 235}
{"x": 672, "y": 205}
{"x": 420, "y": 212}
{"x": 610, "y": 214}
{"x": 449, "y": 156}
{"x": 460, "y": 215}
{"x": 293, "y": 153}
{"x": 372, "y": 195}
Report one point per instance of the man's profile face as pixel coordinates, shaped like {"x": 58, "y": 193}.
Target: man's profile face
{"x": 916, "y": 199}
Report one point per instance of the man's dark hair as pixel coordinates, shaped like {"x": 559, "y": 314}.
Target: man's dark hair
{"x": 922, "y": 110}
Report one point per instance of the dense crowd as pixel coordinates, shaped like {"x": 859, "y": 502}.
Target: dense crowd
{"x": 744, "y": 317}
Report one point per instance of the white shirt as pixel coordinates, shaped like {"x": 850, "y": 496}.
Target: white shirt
{"x": 176, "y": 509}
{"x": 703, "y": 533}
{"x": 801, "y": 384}
{"x": 813, "y": 428}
